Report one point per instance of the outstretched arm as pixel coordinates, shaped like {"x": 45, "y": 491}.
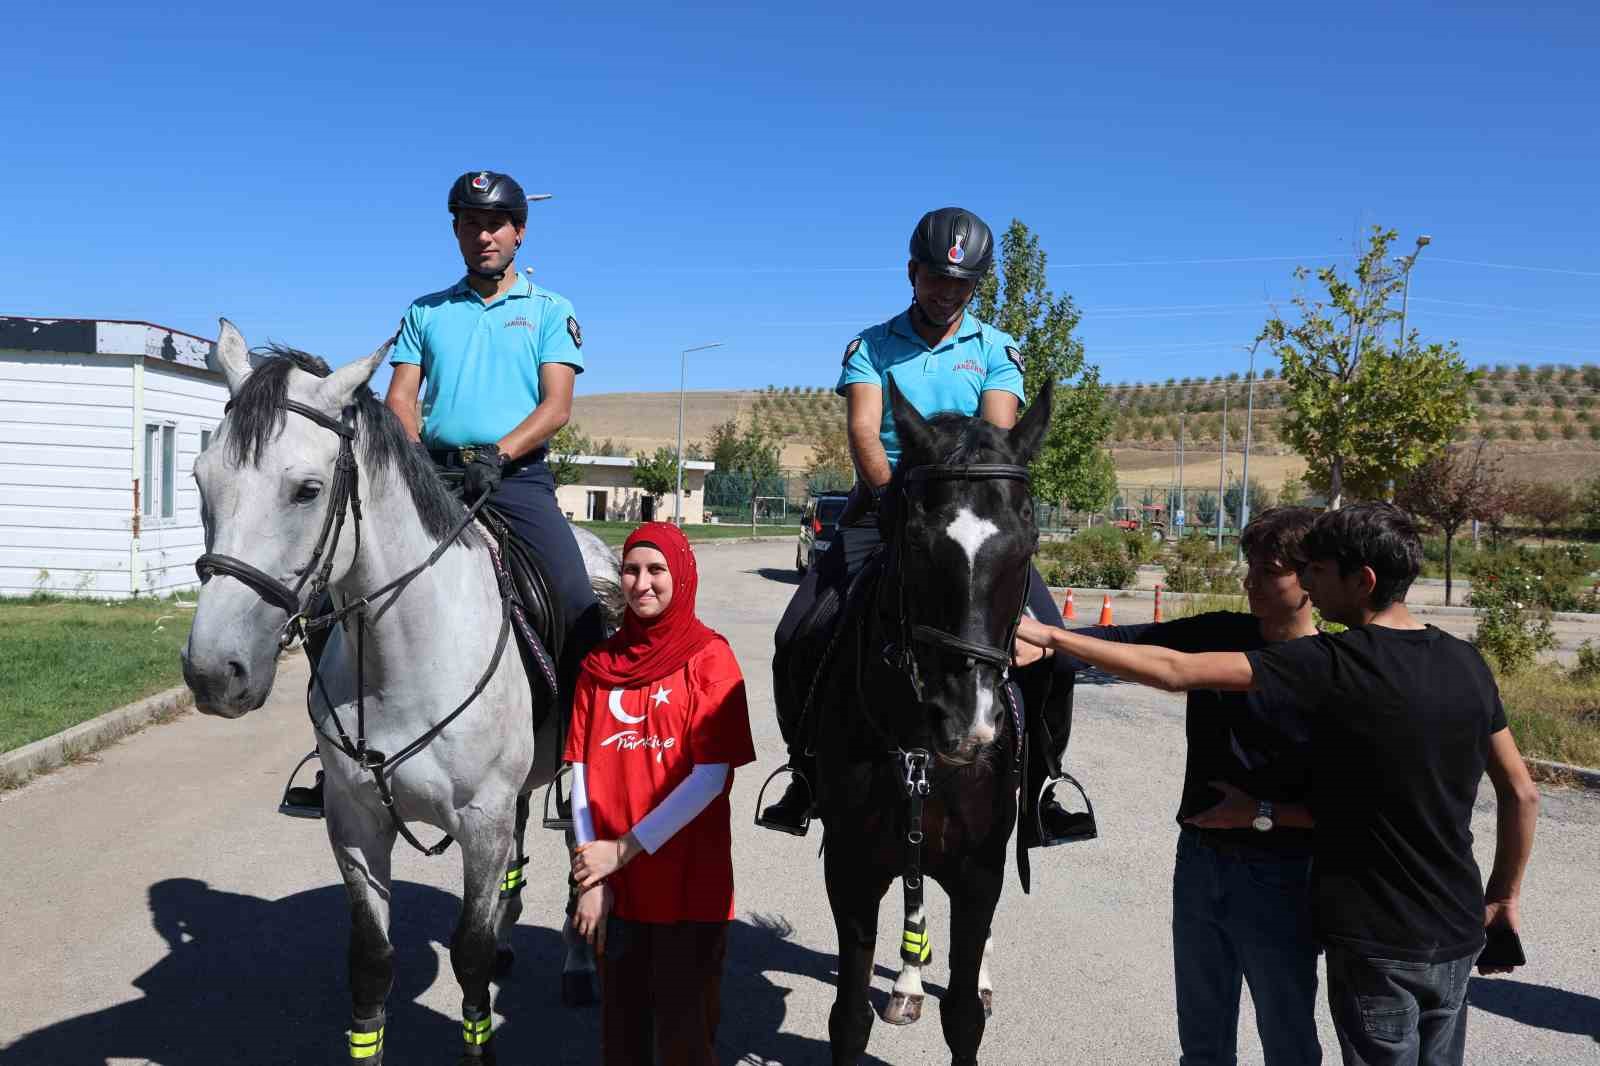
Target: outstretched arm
{"x": 1161, "y": 668}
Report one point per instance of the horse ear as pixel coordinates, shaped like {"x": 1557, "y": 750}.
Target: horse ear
{"x": 339, "y": 388}
{"x": 229, "y": 355}
{"x": 916, "y": 436}
{"x": 1027, "y": 436}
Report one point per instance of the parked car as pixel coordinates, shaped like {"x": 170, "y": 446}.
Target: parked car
{"x": 817, "y": 525}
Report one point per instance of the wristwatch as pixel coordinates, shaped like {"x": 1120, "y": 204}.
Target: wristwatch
{"x": 1263, "y": 822}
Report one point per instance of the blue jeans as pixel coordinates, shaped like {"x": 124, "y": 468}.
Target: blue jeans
{"x": 1388, "y": 1012}
{"x": 1240, "y": 915}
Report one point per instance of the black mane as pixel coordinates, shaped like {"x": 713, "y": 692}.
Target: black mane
{"x": 257, "y": 416}
{"x": 961, "y": 440}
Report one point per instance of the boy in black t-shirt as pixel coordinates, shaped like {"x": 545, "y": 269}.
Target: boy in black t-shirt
{"x": 1404, "y": 720}
{"x": 1241, "y": 882}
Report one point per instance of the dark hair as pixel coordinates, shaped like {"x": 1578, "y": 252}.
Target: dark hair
{"x": 1378, "y": 535}
{"x": 1278, "y": 533}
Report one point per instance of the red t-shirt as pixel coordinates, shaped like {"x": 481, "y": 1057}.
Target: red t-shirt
{"x": 639, "y": 744}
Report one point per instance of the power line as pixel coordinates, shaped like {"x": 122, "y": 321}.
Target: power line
{"x": 1515, "y": 266}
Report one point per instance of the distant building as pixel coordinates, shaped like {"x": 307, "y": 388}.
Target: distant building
{"x": 605, "y": 491}
{"x": 100, "y": 423}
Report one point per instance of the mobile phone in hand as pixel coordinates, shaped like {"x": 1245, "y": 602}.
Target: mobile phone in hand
{"x": 1502, "y": 947}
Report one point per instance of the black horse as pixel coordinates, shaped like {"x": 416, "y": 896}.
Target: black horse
{"x": 919, "y": 731}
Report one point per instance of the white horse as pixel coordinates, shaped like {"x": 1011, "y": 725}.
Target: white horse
{"x": 273, "y": 483}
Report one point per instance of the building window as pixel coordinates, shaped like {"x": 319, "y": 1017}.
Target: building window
{"x": 205, "y": 439}
{"x": 160, "y": 468}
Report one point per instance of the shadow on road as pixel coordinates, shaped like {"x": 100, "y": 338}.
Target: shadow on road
{"x": 257, "y": 982}
{"x": 1542, "y": 1007}
{"x": 783, "y": 575}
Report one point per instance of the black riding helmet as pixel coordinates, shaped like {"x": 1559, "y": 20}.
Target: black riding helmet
{"x": 487, "y": 190}
{"x": 953, "y": 242}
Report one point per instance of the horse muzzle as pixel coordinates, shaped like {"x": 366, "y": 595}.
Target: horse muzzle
{"x": 227, "y": 684}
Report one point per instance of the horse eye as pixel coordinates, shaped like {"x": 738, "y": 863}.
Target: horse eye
{"x": 308, "y": 491}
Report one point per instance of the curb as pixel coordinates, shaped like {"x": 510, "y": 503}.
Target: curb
{"x": 1563, "y": 773}
{"x": 16, "y": 767}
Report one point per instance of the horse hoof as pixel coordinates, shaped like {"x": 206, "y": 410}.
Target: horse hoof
{"x": 577, "y": 989}
{"x": 504, "y": 960}
{"x": 987, "y": 995}
{"x": 902, "y": 1009}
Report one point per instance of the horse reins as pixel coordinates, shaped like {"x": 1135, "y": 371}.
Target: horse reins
{"x": 346, "y": 491}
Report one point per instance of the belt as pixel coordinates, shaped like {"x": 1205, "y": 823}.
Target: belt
{"x": 459, "y": 458}
{"x": 1226, "y": 842}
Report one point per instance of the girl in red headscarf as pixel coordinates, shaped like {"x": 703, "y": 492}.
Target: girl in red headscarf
{"x": 659, "y": 723}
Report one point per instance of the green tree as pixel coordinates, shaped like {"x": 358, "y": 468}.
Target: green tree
{"x": 656, "y": 475}
{"x": 1074, "y": 465}
{"x": 1362, "y": 413}
{"x": 830, "y": 468}
{"x": 568, "y": 442}
{"x": 722, "y": 446}
{"x": 1589, "y": 505}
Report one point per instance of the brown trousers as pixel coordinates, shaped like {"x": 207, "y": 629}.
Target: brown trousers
{"x": 661, "y": 993}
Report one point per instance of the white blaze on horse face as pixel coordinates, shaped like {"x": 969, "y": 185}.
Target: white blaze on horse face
{"x": 983, "y": 718}
{"x": 971, "y": 532}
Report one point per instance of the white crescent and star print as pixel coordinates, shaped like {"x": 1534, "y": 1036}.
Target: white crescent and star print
{"x": 630, "y": 739}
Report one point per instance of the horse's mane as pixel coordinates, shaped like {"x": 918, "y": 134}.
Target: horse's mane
{"x": 257, "y": 415}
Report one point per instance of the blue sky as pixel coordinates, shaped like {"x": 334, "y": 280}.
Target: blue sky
{"x": 738, "y": 174}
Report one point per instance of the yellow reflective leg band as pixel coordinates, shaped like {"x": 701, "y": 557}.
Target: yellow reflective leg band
{"x": 365, "y": 1045}
{"x": 916, "y": 945}
{"x": 476, "y": 1031}
{"x": 512, "y": 880}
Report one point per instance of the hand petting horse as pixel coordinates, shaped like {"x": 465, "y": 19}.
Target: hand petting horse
{"x": 919, "y": 739}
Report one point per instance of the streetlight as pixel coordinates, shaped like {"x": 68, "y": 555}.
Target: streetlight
{"x": 1249, "y": 418}
{"x": 1405, "y": 290}
{"x": 683, "y": 373}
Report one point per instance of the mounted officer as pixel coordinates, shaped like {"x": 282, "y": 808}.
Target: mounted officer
{"x": 483, "y": 378}
{"x": 943, "y": 359}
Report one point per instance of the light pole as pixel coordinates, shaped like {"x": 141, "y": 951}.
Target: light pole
{"x": 1222, "y": 467}
{"x": 1405, "y": 289}
{"x": 1249, "y": 418}
{"x": 683, "y": 375}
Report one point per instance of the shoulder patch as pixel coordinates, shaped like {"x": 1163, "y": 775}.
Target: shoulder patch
{"x": 574, "y": 332}
{"x": 850, "y": 349}
{"x": 1015, "y": 357}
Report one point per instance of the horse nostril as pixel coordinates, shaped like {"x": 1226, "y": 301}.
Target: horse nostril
{"x": 236, "y": 670}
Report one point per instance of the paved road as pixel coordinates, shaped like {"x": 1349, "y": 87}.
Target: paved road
{"x": 158, "y": 911}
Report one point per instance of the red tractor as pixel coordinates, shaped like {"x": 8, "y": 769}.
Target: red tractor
{"x": 1151, "y": 519}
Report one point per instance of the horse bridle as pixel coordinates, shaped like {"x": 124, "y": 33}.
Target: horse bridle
{"x": 345, "y": 490}
{"x": 901, "y": 653}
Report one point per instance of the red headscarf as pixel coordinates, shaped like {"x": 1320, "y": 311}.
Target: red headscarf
{"x": 647, "y": 649}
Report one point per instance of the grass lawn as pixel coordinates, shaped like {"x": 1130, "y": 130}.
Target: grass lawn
{"x": 614, "y": 533}
{"x": 62, "y": 663}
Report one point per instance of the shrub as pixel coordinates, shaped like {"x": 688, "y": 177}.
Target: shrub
{"x": 1550, "y": 577}
{"x": 1512, "y": 629}
{"x": 1588, "y": 665}
{"x": 1197, "y": 566}
{"x": 1095, "y": 558}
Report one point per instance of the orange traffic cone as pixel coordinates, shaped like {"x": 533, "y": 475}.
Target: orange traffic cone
{"x": 1158, "y": 603}
{"x": 1105, "y": 610}
{"x": 1068, "y": 611}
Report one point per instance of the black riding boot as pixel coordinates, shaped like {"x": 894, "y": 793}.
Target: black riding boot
{"x": 792, "y": 812}
{"x": 1050, "y": 823}
{"x": 303, "y": 801}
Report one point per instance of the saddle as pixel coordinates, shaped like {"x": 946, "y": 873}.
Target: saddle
{"x": 537, "y": 612}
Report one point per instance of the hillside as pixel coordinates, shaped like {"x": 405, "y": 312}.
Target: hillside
{"x": 1544, "y": 423}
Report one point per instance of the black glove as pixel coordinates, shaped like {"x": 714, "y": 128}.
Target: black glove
{"x": 482, "y": 475}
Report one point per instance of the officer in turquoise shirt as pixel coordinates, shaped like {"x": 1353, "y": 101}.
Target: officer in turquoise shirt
{"x": 483, "y": 378}
{"x": 943, "y": 359}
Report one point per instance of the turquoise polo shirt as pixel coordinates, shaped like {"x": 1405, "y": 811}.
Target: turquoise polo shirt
{"x": 480, "y": 361}
{"x": 951, "y": 377}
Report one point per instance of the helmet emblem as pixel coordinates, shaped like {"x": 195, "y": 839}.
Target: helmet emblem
{"x": 481, "y": 182}
{"x": 957, "y": 253}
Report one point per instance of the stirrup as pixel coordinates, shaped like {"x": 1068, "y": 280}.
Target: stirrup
{"x": 805, "y": 826}
{"x": 1046, "y": 795}
{"x": 298, "y": 810}
{"x": 559, "y": 821}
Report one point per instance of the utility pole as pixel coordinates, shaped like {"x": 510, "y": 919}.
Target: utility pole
{"x": 1249, "y": 420}
{"x": 1183, "y": 418}
{"x": 1222, "y": 467}
{"x": 683, "y": 376}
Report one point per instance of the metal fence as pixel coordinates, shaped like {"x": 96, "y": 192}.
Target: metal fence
{"x": 730, "y": 498}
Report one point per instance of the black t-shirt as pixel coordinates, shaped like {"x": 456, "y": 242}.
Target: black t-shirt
{"x": 1226, "y": 741}
{"x": 1400, "y": 724}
